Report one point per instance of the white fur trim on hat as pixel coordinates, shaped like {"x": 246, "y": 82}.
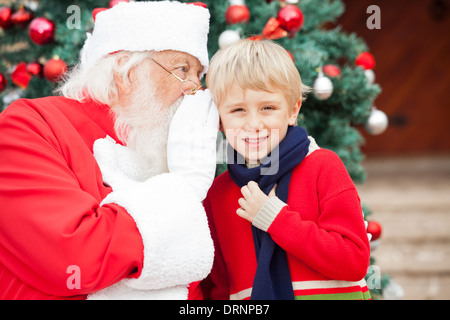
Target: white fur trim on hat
{"x": 146, "y": 26}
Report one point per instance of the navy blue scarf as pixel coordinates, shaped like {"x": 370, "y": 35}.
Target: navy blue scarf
{"x": 272, "y": 279}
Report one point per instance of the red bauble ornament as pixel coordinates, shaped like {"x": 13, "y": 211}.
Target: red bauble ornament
{"x": 3, "y": 82}
{"x": 291, "y": 18}
{"x": 35, "y": 69}
{"x": 374, "y": 228}
{"x": 21, "y": 17}
{"x": 112, "y": 3}
{"x": 365, "y": 60}
{"x": 237, "y": 14}
{"x": 331, "y": 70}
{"x": 41, "y": 31}
{"x": 5, "y": 17}
{"x": 54, "y": 69}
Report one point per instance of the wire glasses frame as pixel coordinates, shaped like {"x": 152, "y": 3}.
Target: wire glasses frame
{"x": 187, "y": 87}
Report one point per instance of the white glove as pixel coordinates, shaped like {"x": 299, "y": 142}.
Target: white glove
{"x": 191, "y": 147}
{"x": 120, "y": 166}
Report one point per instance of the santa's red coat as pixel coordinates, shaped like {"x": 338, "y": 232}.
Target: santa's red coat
{"x": 56, "y": 240}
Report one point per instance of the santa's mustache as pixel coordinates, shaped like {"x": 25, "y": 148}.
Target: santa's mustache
{"x": 144, "y": 127}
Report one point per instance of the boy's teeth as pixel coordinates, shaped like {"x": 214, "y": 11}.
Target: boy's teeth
{"x": 254, "y": 140}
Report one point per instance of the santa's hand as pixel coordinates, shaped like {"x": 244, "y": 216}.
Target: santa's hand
{"x": 191, "y": 146}
{"x": 118, "y": 164}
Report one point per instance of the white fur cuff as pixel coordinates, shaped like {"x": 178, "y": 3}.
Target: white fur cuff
{"x": 178, "y": 248}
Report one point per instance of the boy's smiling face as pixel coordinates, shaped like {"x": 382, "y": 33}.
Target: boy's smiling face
{"x": 256, "y": 121}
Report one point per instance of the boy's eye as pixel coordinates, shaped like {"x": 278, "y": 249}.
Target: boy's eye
{"x": 268, "y": 108}
{"x": 237, "y": 110}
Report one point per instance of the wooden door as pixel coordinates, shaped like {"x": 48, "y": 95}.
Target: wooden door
{"x": 412, "y": 53}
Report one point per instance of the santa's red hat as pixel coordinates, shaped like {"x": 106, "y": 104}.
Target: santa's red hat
{"x": 148, "y": 25}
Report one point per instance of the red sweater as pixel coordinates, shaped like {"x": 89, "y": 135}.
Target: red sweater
{"x": 321, "y": 229}
{"x": 50, "y": 193}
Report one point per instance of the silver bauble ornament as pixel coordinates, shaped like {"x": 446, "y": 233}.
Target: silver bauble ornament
{"x": 393, "y": 291}
{"x": 377, "y": 122}
{"x": 370, "y": 76}
{"x": 237, "y": 2}
{"x": 323, "y": 87}
{"x": 228, "y": 37}
{"x": 374, "y": 244}
{"x": 12, "y": 95}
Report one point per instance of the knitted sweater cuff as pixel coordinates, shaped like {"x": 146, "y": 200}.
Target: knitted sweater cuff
{"x": 268, "y": 213}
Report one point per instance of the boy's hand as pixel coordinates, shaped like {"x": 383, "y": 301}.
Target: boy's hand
{"x": 252, "y": 201}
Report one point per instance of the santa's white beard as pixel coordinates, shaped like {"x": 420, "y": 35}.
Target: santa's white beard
{"x": 144, "y": 127}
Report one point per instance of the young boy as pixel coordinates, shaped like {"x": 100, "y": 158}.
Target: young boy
{"x": 285, "y": 217}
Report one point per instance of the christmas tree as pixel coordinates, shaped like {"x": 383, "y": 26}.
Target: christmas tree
{"x": 40, "y": 40}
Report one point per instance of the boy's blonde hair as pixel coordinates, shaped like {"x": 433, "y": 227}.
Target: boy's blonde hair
{"x": 255, "y": 65}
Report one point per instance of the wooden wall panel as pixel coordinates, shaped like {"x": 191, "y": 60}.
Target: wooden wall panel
{"x": 412, "y": 53}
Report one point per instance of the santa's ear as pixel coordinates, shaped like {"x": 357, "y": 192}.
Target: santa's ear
{"x": 123, "y": 79}
{"x": 123, "y": 84}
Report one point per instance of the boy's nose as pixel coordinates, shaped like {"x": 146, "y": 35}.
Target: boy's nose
{"x": 254, "y": 123}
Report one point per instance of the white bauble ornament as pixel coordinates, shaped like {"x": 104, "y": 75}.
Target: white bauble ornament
{"x": 12, "y": 95}
{"x": 323, "y": 87}
{"x": 374, "y": 244}
{"x": 228, "y": 37}
{"x": 377, "y": 122}
{"x": 33, "y": 5}
{"x": 370, "y": 76}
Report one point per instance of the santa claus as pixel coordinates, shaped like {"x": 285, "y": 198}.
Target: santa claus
{"x": 101, "y": 187}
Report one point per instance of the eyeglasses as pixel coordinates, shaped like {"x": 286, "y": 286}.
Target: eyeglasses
{"x": 187, "y": 87}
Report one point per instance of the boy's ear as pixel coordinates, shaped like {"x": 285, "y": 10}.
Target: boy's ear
{"x": 294, "y": 113}
{"x": 220, "y": 126}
